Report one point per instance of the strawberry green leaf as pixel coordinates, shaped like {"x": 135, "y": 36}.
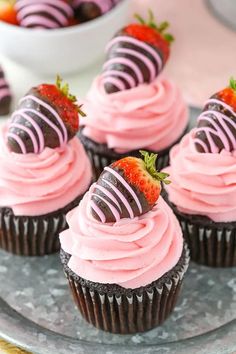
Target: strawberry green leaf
{"x": 232, "y": 83}
{"x": 150, "y": 163}
{"x": 65, "y": 90}
{"x": 140, "y": 19}
{"x": 151, "y": 22}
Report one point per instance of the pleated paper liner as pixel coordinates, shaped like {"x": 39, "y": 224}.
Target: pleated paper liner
{"x": 115, "y": 309}
{"x": 33, "y": 236}
{"x": 211, "y": 243}
{"x": 101, "y": 156}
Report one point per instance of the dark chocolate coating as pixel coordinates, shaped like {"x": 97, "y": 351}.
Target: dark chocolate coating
{"x": 5, "y": 105}
{"x": 6, "y": 99}
{"x": 50, "y": 135}
{"x": 87, "y": 11}
{"x": 123, "y": 212}
{"x": 114, "y": 53}
{"x": 216, "y": 128}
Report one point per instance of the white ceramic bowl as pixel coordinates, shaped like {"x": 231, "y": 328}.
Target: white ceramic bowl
{"x": 224, "y": 11}
{"x": 64, "y": 50}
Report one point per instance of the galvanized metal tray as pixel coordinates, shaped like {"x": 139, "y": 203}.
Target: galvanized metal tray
{"x": 37, "y": 313}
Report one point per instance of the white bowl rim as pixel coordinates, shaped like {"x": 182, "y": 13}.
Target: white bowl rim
{"x": 68, "y": 30}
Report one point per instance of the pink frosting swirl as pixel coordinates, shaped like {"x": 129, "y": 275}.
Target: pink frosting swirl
{"x": 37, "y": 184}
{"x": 130, "y": 252}
{"x": 151, "y": 116}
{"x": 202, "y": 184}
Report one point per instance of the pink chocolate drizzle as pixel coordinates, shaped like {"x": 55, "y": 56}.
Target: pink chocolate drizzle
{"x": 116, "y": 77}
{"x": 24, "y": 112}
{"x": 219, "y": 125}
{"x": 43, "y": 13}
{"x": 117, "y": 212}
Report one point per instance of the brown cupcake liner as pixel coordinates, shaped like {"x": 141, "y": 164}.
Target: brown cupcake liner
{"x": 213, "y": 246}
{"x": 210, "y": 243}
{"x": 101, "y": 156}
{"x": 33, "y": 236}
{"x": 115, "y": 309}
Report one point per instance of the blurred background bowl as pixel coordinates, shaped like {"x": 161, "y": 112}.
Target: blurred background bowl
{"x": 65, "y": 50}
{"x": 225, "y": 11}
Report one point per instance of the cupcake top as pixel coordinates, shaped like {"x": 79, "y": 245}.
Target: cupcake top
{"x": 129, "y": 105}
{"x": 123, "y": 232}
{"x": 152, "y": 116}
{"x": 203, "y": 165}
{"x": 43, "y": 165}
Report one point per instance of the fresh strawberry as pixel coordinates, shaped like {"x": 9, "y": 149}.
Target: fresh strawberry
{"x": 7, "y": 12}
{"x": 127, "y": 188}
{"x": 136, "y": 55}
{"x": 47, "y": 117}
{"x": 228, "y": 95}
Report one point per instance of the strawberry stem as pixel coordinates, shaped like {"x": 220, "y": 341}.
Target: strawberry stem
{"x": 65, "y": 90}
{"x": 150, "y": 163}
{"x": 80, "y": 111}
{"x": 232, "y": 84}
{"x": 161, "y": 28}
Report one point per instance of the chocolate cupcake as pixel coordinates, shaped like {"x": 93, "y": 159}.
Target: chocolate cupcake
{"x": 130, "y": 106}
{"x": 123, "y": 253}
{"x": 203, "y": 189}
{"x": 44, "y": 170}
{"x": 5, "y": 95}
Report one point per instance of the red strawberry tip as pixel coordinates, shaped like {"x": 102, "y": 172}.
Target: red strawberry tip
{"x": 161, "y": 28}
{"x": 65, "y": 90}
{"x": 150, "y": 163}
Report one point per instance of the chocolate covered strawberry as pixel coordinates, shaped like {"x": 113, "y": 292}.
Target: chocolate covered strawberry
{"x": 127, "y": 188}
{"x": 136, "y": 55}
{"x": 5, "y": 94}
{"x": 47, "y": 14}
{"x": 46, "y": 117}
{"x": 8, "y": 12}
{"x": 87, "y": 10}
{"x": 216, "y": 128}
